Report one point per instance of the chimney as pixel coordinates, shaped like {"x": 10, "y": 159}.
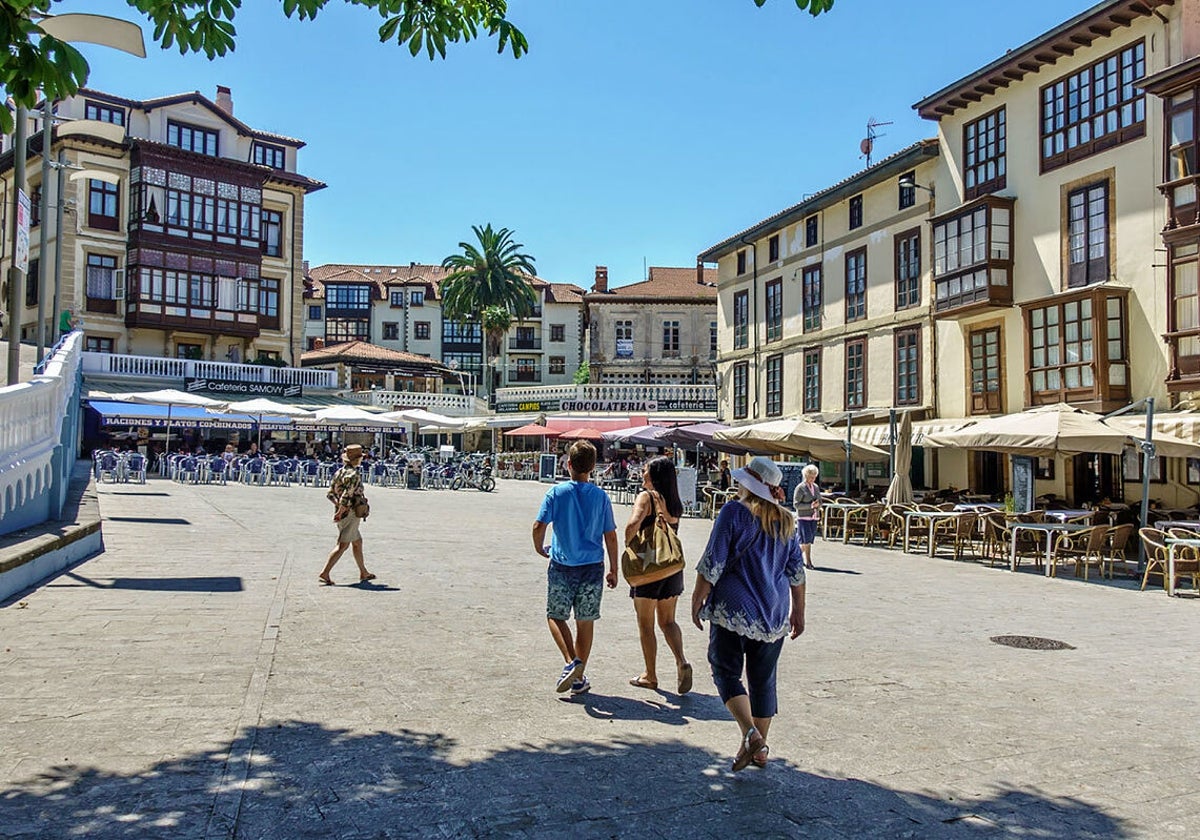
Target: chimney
{"x": 304, "y": 267}
{"x": 699, "y": 273}
{"x": 601, "y": 284}
{"x": 225, "y": 99}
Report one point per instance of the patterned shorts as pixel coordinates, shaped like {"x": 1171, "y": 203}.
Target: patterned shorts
{"x": 577, "y": 588}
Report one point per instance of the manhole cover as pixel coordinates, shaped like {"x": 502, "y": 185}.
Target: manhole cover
{"x": 1032, "y": 643}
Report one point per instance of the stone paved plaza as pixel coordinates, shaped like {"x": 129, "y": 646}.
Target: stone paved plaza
{"x": 195, "y": 681}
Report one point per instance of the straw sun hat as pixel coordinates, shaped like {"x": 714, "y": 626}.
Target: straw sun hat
{"x": 759, "y": 477}
{"x": 352, "y": 454}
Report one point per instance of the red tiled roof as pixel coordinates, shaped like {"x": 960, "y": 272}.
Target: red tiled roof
{"x": 564, "y": 293}
{"x": 664, "y": 282}
{"x": 361, "y": 352}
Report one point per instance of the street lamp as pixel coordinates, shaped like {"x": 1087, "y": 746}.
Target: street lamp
{"x": 78, "y": 28}
{"x": 910, "y": 183}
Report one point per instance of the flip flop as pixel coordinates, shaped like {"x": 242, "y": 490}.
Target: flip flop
{"x": 685, "y": 679}
{"x": 324, "y": 580}
{"x": 752, "y": 744}
{"x": 639, "y": 682}
{"x": 368, "y": 576}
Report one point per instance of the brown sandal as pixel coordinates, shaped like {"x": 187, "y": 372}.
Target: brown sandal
{"x": 641, "y": 682}
{"x": 760, "y": 757}
{"x": 325, "y": 580}
{"x": 751, "y": 746}
{"x": 368, "y": 576}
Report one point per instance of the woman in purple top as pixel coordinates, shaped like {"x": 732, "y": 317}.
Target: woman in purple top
{"x": 750, "y": 587}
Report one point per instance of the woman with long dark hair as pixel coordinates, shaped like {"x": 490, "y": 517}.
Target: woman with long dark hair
{"x": 655, "y": 602}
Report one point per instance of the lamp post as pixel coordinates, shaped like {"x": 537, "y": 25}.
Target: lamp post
{"x": 16, "y": 275}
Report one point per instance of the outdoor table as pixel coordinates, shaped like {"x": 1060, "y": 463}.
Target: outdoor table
{"x": 978, "y": 507}
{"x": 1187, "y": 524}
{"x": 1172, "y": 542}
{"x": 932, "y": 516}
{"x": 1049, "y": 528}
{"x": 1064, "y": 515}
{"x": 971, "y": 498}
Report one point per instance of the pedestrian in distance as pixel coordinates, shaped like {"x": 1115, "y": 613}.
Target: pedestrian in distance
{"x": 583, "y": 531}
{"x": 656, "y": 602}
{"x": 806, "y": 500}
{"x": 750, "y": 588}
{"x": 350, "y": 509}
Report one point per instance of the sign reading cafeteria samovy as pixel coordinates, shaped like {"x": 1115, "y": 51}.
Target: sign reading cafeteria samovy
{"x": 233, "y": 386}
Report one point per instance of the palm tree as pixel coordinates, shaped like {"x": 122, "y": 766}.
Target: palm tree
{"x": 489, "y": 284}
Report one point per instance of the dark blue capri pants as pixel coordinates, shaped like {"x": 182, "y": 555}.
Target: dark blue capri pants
{"x": 730, "y": 654}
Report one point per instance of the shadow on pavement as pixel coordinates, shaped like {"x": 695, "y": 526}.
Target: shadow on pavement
{"x": 657, "y": 706}
{"x": 181, "y": 584}
{"x": 304, "y": 780}
{"x": 832, "y": 570}
{"x": 150, "y": 520}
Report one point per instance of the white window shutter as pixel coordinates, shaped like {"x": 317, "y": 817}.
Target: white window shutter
{"x": 119, "y": 284}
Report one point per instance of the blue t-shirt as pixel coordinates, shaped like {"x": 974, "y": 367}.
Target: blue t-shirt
{"x": 581, "y": 514}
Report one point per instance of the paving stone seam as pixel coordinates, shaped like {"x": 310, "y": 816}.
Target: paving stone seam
{"x": 227, "y": 802}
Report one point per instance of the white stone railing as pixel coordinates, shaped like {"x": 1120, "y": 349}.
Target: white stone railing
{"x": 158, "y": 367}
{"x": 452, "y": 405}
{"x": 609, "y": 393}
{"x": 32, "y": 417}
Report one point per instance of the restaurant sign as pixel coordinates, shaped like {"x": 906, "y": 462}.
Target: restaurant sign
{"x": 528, "y": 406}
{"x": 177, "y": 422}
{"x": 232, "y": 387}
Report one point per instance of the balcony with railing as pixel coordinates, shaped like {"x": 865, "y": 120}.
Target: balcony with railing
{"x": 451, "y": 405}
{"x": 525, "y": 343}
{"x": 159, "y": 367}
{"x": 972, "y": 257}
{"x": 524, "y": 375}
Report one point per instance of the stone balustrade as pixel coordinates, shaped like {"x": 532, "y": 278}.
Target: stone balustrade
{"x": 663, "y": 397}
{"x": 38, "y": 428}
{"x": 158, "y": 367}
{"x": 451, "y": 405}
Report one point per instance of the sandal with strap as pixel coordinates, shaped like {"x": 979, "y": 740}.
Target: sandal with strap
{"x": 752, "y": 744}
{"x": 325, "y": 581}
{"x": 760, "y": 757}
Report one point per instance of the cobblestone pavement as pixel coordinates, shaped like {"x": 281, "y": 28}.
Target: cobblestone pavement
{"x": 195, "y": 681}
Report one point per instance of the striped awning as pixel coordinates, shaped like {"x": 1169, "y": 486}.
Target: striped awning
{"x": 1184, "y": 424}
{"x": 880, "y": 434}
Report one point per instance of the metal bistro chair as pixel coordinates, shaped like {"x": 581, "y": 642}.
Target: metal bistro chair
{"x": 135, "y": 468}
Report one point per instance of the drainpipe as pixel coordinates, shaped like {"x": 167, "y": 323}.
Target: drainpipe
{"x": 754, "y": 314}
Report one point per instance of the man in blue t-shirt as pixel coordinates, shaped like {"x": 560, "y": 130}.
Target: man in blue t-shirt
{"x": 584, "y": 530}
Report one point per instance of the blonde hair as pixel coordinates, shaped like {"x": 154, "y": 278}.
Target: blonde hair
{"x": 775, "y": 521}
{"x": 810, "y": 469}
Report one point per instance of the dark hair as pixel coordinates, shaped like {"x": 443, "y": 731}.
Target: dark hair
{"x": 662, "y": 478}
{"x": 582, "y": 456}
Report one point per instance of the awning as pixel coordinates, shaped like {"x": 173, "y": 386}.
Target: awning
{"x": 181, "y": 417}
{"x": 880, "y": 434}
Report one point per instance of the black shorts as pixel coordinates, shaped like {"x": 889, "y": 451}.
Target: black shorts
{"x": 660, "y": 590}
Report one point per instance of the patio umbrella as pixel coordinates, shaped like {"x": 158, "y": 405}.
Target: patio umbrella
{"x": 263, "y": 407}
{"x": 1053, "y": 430}
{"x": 900, "y": 489}
{"x": 582, "y": 433}
{"x": 701, "y": 434}
{"x": 169, "y": 397}
{"x": 637, "y": 435}
{"x": 799, "y": 437}
{"x": 531, "y": 430}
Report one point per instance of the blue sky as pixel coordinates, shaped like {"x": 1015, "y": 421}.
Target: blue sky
{"x": 634, "y": 130}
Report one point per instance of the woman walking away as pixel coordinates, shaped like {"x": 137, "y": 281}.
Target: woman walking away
{"x": 350, "y": 508}
{"x": 750, "y": 587}
{"x": 656, "y": 601}
{"x": 807, "y": 502}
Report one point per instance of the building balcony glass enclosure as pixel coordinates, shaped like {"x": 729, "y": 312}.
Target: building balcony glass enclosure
{"x": 972, "y": 256}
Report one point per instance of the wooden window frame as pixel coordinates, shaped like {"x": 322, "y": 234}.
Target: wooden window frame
{"x": 740, "y": 385}
{"x": 856, "y": 299}
{"x": 741, "y": 262}
{"x": 268, "y": 154}
{"x": 103, "y": 112}
{"x": 557, "y": 366}
{"x": 271, "y": 220}
{"x": 811, "y": 397}
{"x": 906, "y": 247}
{"x": 558, "y": 332}
{"x": 774, "y": 377}
{"x": 105, "y": 191}
{"x": 422, "y": 330}
{"x": 1079, "y": 196}
{"x": 1067, "y": 132}
{"x": 855, "y": 219}
{"x": 908, "y": 336}
{"x": 813, "y": 302}
{"x": 985, "y": 402}
{"x": 811, "y": 232}
{"x": 741, "y": 319}
{"x": 906, "y": 196}
{"x": 180, "y": 129}
{"x": 984, "y": 144}
{"x": 773, "y": 299}
{"x": 855, "y": 398}
{"x": 391, "y": 331}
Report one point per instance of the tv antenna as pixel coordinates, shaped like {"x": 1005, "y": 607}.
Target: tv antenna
{"x": 867, "y": 146}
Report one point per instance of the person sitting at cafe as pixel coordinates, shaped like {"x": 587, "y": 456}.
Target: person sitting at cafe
{"x": 726, "y": 476}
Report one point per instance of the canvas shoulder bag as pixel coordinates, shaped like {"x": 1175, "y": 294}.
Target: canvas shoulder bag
{"x": 653, "y": 553}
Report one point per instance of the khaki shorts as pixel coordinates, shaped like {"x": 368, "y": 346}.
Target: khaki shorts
{"x": 348, "y": 529}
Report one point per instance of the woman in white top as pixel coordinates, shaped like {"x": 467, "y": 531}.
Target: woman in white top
{"x": 807, "y": 501}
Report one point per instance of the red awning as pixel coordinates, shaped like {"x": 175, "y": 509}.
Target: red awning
{"x": 582, "y": 433}
{"x": 532, "y": 430}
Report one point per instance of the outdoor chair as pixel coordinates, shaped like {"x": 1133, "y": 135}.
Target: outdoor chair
{"x": 135, "y": 468}
{"x": 1187, "y": 558}
{"x": 891, "y": 522}
{"x": 1029, "y": 543}
{"x": 959, "y": 531}
{"x": 1155, "y": 543}
{"x": 254, "y": 471}
{"x": 109, "y": 465}
{"x": 1118, "y": 540}
{"x": 997, "y": 538}
{"x": 1082, "y": 548}
{"x": 861, "y": 522}
{"x": 278, "y": 473}
{"x": 218, "y": 470}
{"x": 187, "y": 470}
